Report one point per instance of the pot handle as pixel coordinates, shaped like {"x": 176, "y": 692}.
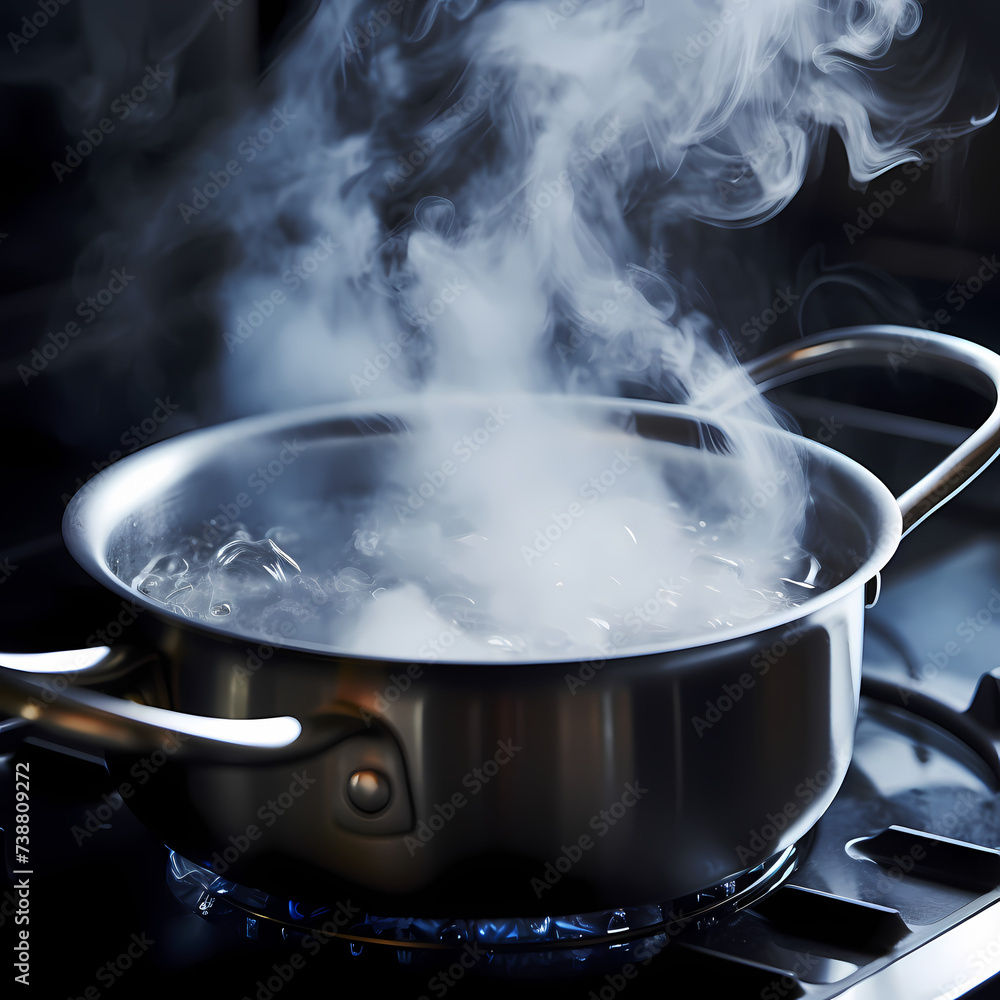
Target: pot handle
{"x": 936, "y": 353}
{"x": 44, "y": 687}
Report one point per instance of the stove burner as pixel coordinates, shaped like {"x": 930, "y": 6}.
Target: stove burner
{"x": 257, "y": 914}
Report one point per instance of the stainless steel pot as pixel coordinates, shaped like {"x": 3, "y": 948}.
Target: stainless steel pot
{"x": 474, "y": 789}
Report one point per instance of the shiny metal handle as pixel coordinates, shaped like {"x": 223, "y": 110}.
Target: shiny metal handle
{"x": 42, "y": 688}
{"x": 917, "y": 350}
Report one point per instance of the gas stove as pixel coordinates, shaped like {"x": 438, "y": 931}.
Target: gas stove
{"x": 895, "y": 893}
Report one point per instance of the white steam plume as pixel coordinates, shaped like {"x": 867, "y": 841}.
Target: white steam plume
{"x": 457, "y": 205}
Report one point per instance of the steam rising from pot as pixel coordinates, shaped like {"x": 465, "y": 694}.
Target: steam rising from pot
{"x": 482, "y": 199}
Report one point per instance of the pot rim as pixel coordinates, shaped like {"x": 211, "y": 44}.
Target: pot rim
{"x": 90, "y": 516}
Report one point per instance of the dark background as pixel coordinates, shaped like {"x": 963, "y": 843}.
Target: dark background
{"x": 60, "y": 427}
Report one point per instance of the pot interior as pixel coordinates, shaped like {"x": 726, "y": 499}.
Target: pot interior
{"x": 256, "y": 470}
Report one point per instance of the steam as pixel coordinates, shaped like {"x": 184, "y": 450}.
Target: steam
{"x": 484, "y": 183}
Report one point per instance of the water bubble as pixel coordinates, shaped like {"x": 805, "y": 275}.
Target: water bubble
{"x": 161, "y": 577}
{"x": 273, "y": 586}
{"x": 246, "y": 572}
{"x": 366, "y": 541}
{"x": 801, "y": 565}
{"x": 281, "y": 554}
{"x": 150, "y": 585}
{"x": 350, "y": 578}
{"x": 713, "y": 560}
{"x": 435, "y": 214}
{"x": 455, "y": 607}
{"x": 475, "y": 619}
{"x": 171, "y": 566}
{"x": 513, "y": 644}
{"x": 473, "y": 541}
{"x": 308, "y": 590}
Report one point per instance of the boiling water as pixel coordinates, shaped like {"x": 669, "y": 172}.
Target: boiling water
{"x": 336, "y": 574}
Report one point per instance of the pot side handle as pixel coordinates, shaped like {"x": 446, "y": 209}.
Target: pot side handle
{"x": 46, "y": 687}
{"x": 919, "y": 350}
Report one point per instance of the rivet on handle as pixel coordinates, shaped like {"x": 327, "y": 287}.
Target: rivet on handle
{"x": 369, "y": 791}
